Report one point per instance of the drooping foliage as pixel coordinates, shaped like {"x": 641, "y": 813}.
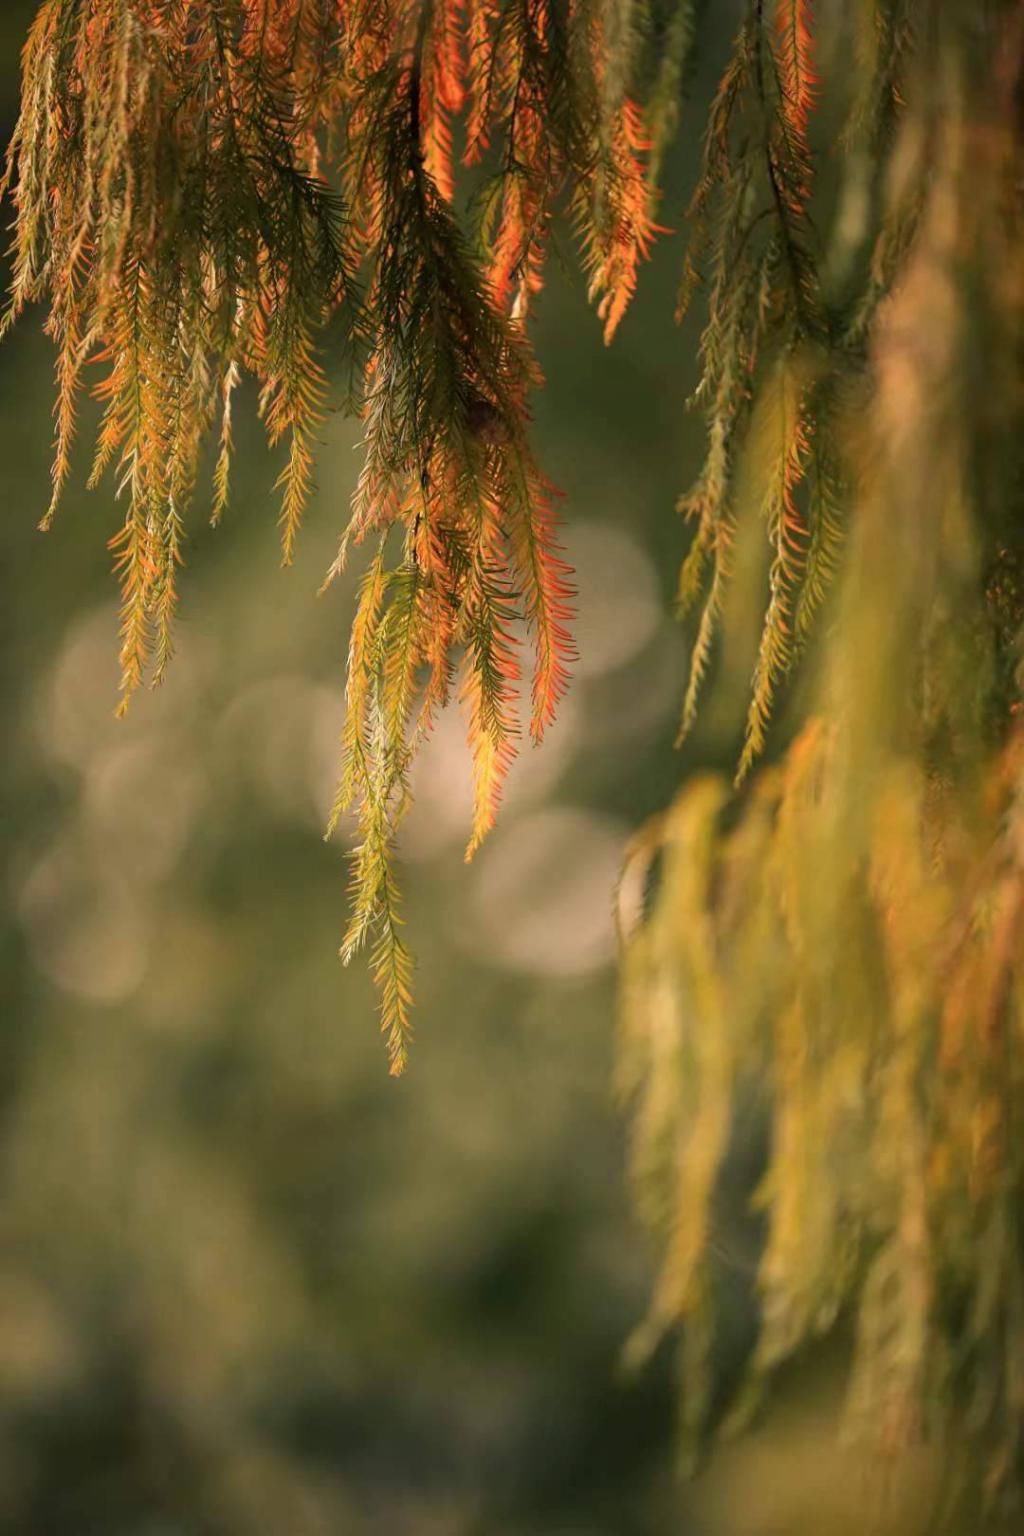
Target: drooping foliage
{"x": 306, "y": 189}
{"x": 265, "y": 187}
{"x": 834, "y": 954}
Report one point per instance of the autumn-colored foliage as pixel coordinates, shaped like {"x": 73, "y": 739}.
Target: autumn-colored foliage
{"x": 206, "y": 190}
{"x": 275, "y": 188}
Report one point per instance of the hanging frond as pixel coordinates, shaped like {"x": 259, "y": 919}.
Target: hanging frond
{"x": 798, "y": 83}
{"x": 491, "y": 670}
{"x": 674, "y": 47}
{"x": 619, "y": 234}
{"x": 783, "y": 408}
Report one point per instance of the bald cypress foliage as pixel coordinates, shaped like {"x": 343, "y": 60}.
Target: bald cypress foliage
{"x": 274, "y": 188}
